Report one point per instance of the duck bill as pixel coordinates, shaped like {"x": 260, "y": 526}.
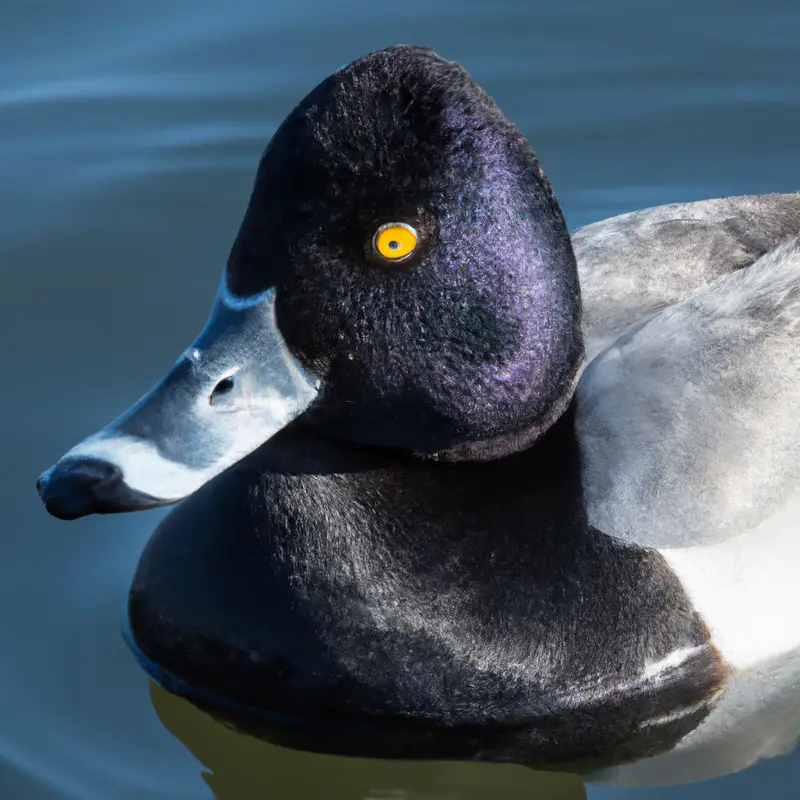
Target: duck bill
{"x": 233, "y": 389}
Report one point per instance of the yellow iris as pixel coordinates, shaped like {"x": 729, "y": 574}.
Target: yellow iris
{"x": 395, "y": 241}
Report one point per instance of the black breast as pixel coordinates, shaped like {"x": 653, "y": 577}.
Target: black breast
{"x": 420, "y": 609}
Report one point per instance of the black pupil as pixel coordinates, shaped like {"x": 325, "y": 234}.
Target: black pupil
{"x": 393, "y": 245}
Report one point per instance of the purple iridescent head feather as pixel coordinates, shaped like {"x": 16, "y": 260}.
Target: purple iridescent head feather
{"x": 469, "y": 349}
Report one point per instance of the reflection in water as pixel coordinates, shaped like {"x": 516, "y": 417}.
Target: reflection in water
{"x": 757, "y": 718}
{"x": 242, "y": 767}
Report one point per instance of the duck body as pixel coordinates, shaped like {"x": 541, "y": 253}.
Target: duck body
{"x": 451, "y": 602}
{"x": 489, "y": 614}
{"x": 449, "y": 492}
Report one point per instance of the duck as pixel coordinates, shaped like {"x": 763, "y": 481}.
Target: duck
{"x": 454, "y": 483}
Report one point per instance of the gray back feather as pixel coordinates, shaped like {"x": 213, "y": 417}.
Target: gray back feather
{"x": 635, "y": 264}
{"x": 689, "y": 420}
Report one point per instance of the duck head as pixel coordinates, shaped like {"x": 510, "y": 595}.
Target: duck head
{"x": 402, "y": 278}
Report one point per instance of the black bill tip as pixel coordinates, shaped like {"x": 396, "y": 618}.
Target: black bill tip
{"x": 77, "y": 487}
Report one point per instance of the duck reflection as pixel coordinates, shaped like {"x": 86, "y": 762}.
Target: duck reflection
{"x": 759, "y": 720}
{"x": 242, "y": 768}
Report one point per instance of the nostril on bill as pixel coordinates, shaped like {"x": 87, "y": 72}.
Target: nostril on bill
{"x": 224, "y": 387}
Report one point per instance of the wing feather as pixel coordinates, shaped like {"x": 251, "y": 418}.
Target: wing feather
{"x": 635, "y": 264}
{"x": 689, "y": 421}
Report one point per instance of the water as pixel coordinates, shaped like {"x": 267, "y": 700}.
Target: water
{"x": 129, "y": 134}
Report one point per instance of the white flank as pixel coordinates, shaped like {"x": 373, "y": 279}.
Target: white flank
{"x": 747, "y": 589}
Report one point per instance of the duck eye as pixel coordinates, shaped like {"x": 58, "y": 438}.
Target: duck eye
{"x": 395, "y": 241}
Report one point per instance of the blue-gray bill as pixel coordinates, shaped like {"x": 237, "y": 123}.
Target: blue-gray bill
{"x": 233, "y": 389}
